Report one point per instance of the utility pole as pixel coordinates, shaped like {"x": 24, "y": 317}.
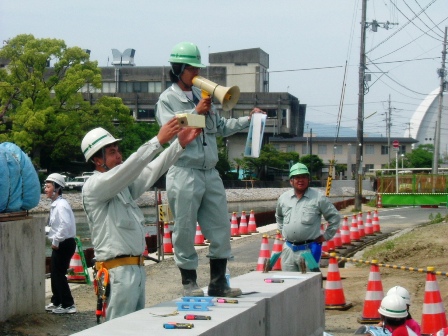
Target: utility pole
{"x": 388, "y": 124}
{"x": 361, "y": 92}
{"x": 442, "y": 74}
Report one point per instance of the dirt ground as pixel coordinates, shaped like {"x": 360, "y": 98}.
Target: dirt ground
{"x": 426, "y": 246}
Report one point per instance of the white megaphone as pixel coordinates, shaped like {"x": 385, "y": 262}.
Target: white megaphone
{"x": 228, "y": 97}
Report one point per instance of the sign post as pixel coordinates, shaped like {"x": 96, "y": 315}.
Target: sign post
{"x": 396, "y": 146}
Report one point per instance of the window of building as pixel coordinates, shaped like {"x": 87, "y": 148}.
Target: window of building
{"x": 321, "y": 149}
{"x": 276, "y": 146}
{"x": 125, "y": 87}
{"x": 291, "y": 148}
{"x": 241, "y": 113}
{"x": 145, "y": 114}
{"x": 305, "y": 149}
{"x": 155, "y": 87}
{"x": 369, "y": 149}
{"x": 271, "y": 113}
{"x": 369, "y": 166}
{"x": 108, "y": 87}
{"x": 352, "y": 149}
{"x": 337, "y": 149}
{"x": 402, "y": 149}
{"x": 384, "y": 149}
{"x": 140, "y": 87}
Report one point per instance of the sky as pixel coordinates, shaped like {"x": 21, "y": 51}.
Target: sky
{"x": 313, "y": 46}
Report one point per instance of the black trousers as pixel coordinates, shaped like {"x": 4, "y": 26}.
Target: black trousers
{"x": 60, "y": 262}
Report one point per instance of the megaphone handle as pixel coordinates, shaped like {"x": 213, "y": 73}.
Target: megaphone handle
{"x": 203, "y": 138}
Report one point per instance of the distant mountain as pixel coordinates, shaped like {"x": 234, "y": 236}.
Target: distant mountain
{"x": 322, "y": 130}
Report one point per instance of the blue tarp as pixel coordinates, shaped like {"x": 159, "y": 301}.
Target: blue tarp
{"x": 19, "y": 183}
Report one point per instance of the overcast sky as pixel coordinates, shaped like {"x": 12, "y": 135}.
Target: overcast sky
{"x": 308, "y": 42}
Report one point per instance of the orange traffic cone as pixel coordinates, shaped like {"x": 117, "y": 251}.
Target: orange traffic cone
{"x": 345, "y": 232}
{"x": 234, "y": 232}
{"x": 379, "y": 202}
{"x": 146, "y": 252}
{"x": 374, "y": 296}
{"x": 277, "y": 247}
{"x": 167, "y": 244}
{"x": 264, "y": 253}
{"x": 369, "y": 227}
{"x": 442, "y": 332}
{"x": 243, "y": 230}
{"x": 77, "y": 270}
{"x": 334, "y": 294}
{"x": 354, "y": 233}
{"x": 199, "y": 238}
{"x": 376, "y": 222}
{"x": 252, "y": 226}
{"x": 433, "y": 314}
{"x": 337, "y": 240}
{"x": 361, "y": 231}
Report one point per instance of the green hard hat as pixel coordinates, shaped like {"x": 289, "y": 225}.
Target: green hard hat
{"x": 298, "y": 169}
{"x": 187, "y": 53}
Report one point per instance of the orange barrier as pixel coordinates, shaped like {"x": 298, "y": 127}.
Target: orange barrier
{"x": 264, "y": 253}
{"x": 337, "y": 240}
{"x": 379, "y": 203}
{"x": 167, "y": 243}
{"x": 433, "y": 314}
{"x": 354, "y": 233}
{"x": 376, "y": 222}
{"x": 361, "y": 231}
{"x": 234, "y": 231}
{"x": 369, "y": 226}
{"x": 252, "y": 225}
{"x": 334, "y": 293}
{"x": 199, "y": 237}
{"x": 345, "y": 232}
{"x": 277, "y": 248}
{"x": 243, "y": 230}
{"x": 373, "y": 297}
{"x": 77, "y": 275}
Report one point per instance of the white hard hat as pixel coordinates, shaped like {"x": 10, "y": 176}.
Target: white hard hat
{"x": 95, "y": 140}
{"x": 393, "y": 305}
{"x": 401, "y": 291}
{"x": 58, "y": 178}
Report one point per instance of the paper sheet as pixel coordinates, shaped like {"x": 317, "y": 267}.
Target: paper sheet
{"x": 255, "y": 135}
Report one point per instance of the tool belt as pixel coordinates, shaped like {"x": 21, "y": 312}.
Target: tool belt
{"x": 120, "y": 261}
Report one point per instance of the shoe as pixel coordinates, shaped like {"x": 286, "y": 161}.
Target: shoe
{"x": 49, "y": 307}
{"x": 68, "y": 310}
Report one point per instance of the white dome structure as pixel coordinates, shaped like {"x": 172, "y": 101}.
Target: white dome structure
{"x": 423, "y": 122}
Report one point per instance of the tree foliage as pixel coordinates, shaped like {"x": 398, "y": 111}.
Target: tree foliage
{"x": 313, "y": 162}
{"x": 42, "y": 108}
{"x": 269, "y": 157}
{"x": 421, "y": 157}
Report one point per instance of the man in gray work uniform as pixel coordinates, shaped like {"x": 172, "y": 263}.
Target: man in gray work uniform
{"x": 195, "y": 191}
{"x": 115, "y": 220}
{"x": 298, "y": 216}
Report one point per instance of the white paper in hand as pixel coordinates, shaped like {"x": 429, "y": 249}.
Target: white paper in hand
{"x": 255, "y": 135}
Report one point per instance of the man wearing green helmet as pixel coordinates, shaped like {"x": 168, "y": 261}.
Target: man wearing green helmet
{"x": 298, "y": 216}
{"x": 194, "y": 189}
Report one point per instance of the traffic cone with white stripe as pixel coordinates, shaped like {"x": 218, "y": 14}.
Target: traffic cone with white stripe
{"x": 369, "y": 227}
{"x": 337, "y": 240}
{"x": 252, "y": 225}
{"x": 277, "y": 248}
{"x": 433, "y": 314}
{"x": 243, "y": 230}
{"x": 199, "y": 237}
{"x": 234, "y": 231}
{"x": 379, "y": 202}
{"x": 334, "y": 293}
{"x": 374, "y": 296}
{"x": 76, "y": 268}
{"x": 361, "y": 231}
{"x": 376, "y": 222}
{"x": 167, "y": 243}
{"x": 345, "y": 232}
{"x": 264, "y": 253}
{"x": 354, "y": 233}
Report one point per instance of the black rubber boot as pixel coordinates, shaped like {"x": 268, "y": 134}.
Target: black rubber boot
{"x": 191, "y": 288}
{"x": 218, "y": 284}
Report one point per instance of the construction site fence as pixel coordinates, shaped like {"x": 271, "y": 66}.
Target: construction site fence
{"x": 413, "y": 199}
{"x": 412, "y": 183}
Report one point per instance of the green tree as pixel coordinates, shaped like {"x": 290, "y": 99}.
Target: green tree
{"x": 421, "y": 157}
{"x": 313, "y": 162}
{"x": 42, "y": 109}
{"x": 269, "y": 157}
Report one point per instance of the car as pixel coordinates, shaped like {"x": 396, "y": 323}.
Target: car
{"x": 76, "y": 183}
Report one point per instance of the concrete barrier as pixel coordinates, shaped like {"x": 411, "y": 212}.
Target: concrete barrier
{"x": 294, "y": 307}
{"x": 22, "y": 272}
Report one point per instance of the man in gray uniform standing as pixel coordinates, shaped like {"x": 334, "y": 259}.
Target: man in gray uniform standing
{"x": 194, "y": 188}
{"x": 299, "y": 212}
{"x": 115, "y": 220}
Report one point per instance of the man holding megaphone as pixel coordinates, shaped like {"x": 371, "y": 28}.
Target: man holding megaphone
{"x": 194, "y": 188}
